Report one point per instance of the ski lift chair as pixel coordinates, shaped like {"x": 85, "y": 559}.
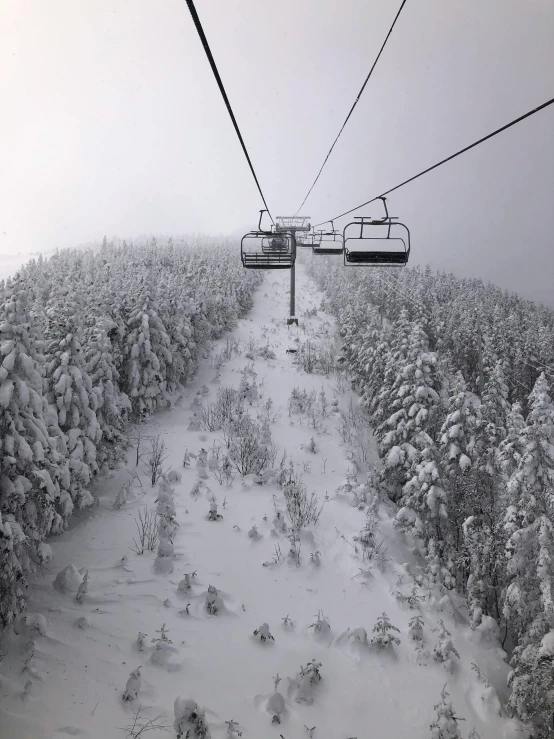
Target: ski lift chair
{"x": 329, "y": 242}
{"x": 266, "y": 250}
{"x": 389, "y": 246}
{"x": 303, "y": 241}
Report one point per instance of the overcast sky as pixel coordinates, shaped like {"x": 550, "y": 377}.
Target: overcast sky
{"x": 111, "y": 122}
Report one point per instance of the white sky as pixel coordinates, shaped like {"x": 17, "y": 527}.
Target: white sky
{"x": 111, "y": 122}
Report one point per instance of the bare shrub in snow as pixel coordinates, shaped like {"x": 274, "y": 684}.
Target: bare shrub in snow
{"x": 214, "y": 416}
{"x": 190, "y": 720}
{"x": 306, "y": 356}
{"x": 157, "y": 455}
{"x": 302, "y": 509}
{"x": 220, "y": 466}
{"x": 301, "y": 401}
{"x": 208, "y": 418}
{"x": 352, "y": 423}
{"x": 133, "y": 685}
{"x": 384, "y": 639}
{"x": 268, "y": 412}
{"x": 277, "y": 557}
{"x": 141, "y": 725}
{"x": 254, "y": 533}
{"x": 147, "y": 528}
{"x": 138, "y": 436}
{"x": 247, "y": 450}
{"x": 314, "y": 357}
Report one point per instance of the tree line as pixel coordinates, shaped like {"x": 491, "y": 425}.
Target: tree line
{"x": 92, "y": 341}
{"x": 455, "y": 375}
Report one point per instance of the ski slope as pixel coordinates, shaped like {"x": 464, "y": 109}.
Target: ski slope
{"x": 69, "y": 680}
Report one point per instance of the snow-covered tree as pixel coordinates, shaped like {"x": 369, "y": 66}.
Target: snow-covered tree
{"x": 112, "y": 405}
{"x": 511, "y": 448}
{"x": 445, "y": 722}
{"x": 29, "y": 461}
{"x": 532, "y": 697}
{"x": 147, "y": 355}
{"x": 531, "y": 492}
{"x": 383, "y": 630}
{"x": 414, "y": 403}
{"x": 190, "y": 720}
{"x": 70, "y": 394}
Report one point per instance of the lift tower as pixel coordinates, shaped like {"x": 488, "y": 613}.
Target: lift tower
{"x": 292, "y": 225}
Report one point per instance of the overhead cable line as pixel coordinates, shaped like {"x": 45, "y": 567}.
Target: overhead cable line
{"x": 353, "y": 106}
{"x": 443, "y": 161}
{"x": 213, "y": 65}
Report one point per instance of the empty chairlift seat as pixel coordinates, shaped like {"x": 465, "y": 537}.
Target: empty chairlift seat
{"x": 376, "y": 242}
{"x": 327, "y": 242}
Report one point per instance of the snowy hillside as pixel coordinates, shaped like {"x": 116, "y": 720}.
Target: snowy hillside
{"x": 282, "y": 601}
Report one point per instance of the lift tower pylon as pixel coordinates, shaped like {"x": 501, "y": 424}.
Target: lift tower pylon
{"x": 292, "y": 225}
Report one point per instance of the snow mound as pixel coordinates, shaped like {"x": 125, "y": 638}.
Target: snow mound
{"x": 68, "y": 579}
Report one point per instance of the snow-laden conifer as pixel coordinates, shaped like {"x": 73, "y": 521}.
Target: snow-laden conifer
{"x": 413, "y": 409}
{"x": 531, "y": 492}
{"x": 30, "y": 463}
{"x": 445, "y": 722}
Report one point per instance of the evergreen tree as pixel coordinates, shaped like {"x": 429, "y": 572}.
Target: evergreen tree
{"x": 70, "y": 394}
{"x": 408, "y": 446}
{"x": 112, "y": 405}
{"x": 29, "y": 470}
{"x": 445, "y": 723}
{"x": 147, "y": 356}
{"x": 531, "y": 493}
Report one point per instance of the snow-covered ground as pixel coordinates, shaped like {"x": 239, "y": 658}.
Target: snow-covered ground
{"x": 70, "y": 680}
